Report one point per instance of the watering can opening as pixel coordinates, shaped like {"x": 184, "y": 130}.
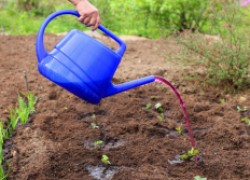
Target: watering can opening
{"x": 83, "y": 65}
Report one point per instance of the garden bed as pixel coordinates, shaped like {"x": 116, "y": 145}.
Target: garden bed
{"x": 58, "y": 141}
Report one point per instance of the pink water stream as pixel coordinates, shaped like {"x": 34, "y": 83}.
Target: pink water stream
{"x": 182, "y": 105}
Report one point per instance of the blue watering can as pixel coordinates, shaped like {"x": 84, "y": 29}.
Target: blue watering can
{"x": 82, "y": 65}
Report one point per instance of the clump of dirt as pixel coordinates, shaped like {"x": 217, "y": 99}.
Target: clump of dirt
{"x": 58, "y": 141}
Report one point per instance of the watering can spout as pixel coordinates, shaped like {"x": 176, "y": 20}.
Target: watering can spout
{"x": 115, "y": 89}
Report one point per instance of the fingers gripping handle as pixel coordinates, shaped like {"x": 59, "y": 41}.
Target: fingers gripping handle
{"x": 40, "y": 49}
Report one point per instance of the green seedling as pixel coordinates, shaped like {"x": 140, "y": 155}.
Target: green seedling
{"x": 22, "y": 111}
{"x": 25, "y": 107}
{"x": 199, "y": 178}
{"x": 179, "y": 130}
{"x": 161, "y": 117}
{"x": 98, "y": 143}
{"x": 14, "y": 117}
{"x": 2, "y": 133}
{"x": 94, "y": 125}
{"x": 222, "y": 101}
{"x": 32, "y": 99}
{"x": 148, "y": 106}
{"x": 189, "y": 155}
{"x": 158, "y": 107}
{"x": 243, "y": 109}
{"x": 1, "y": 160}
{"x": 245, "y": 120}
{"x": 3, "y": 175}
{"x": 9, "y": 130}
{"x": 105, "y": 159}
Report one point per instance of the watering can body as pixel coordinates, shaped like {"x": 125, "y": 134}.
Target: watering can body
{"x": 82, "y": 65}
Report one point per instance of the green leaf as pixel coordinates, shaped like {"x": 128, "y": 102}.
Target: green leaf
{"x": 161, "y": 117}
{"x": 193, "y": 152}
{"x": 158, "y": 107}
{"x": 105, "y": 159}
{"x": 239, "y": 109}
{"x": 222, "y": 101}
{"x": 199, "y": 178}
{"x": 94, "y": 125}
{"x": 246, "y": 120}
{"x": 190, "y": 154}
{"x": 184, "y": 157}
{"x": 2, "y": 133}
{"x": 22, "y": 111}
{"x": 13, "y": 117}
{"x": 179, "y": 130}
{"x": 32, "y": 99}
{"x": 98, "y": 143}
{"x": 148, "y": 106}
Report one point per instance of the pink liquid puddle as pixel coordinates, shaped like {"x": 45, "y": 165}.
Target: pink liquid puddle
{"x": 182, "y": 105}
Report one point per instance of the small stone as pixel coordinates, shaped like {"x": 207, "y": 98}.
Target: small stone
{"x": 242, "y": 99}
{"x": 13, "y": 153}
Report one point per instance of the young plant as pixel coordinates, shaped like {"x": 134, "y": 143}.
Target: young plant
{"x": 2, "y": 137}
{"x": 148, "y": 106}
{"x": 161, "y": 117}
{"x": 160, "y": 110}
{"x": 14, "y": 117}
{"x": 243, "y": 109}
{"x": 3, "y": 132}
{"x": 158, "y": 107}
{"x": 32, "y": 99}
{"x": 245, "y": 120}
{"x": 94, "y": 125}
{"x": 199, "y": 178}
{"x": 189, "y": 155}
{"x": 2, "y": 175}
{"x": 222, "y": 101}
{"x": 98, "y": 143}
{"x": 179, "y": 130}
{"x": 105, "y": 159}
{"x": 22, "y": 111}
{"x": 1, "y": 161}
{"x": 8, "y": 131}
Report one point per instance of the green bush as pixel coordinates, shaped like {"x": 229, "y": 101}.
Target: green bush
{"x": 179, "y": 15}
{"x": 225, "y": 57}
{"x": 38, "y": 8}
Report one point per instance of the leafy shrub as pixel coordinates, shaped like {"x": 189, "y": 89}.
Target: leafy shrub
{"x": 179, "y": 15}
{"x": 225, "y": 57}
{"x": 38, "y": 8}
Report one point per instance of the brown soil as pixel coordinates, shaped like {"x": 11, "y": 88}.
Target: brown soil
{"x": 57, "y": 143}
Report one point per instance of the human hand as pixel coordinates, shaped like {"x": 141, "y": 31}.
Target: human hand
{"x": 89, "y": 14}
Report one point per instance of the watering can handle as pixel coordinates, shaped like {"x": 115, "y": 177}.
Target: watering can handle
{"x": 40, "y": 49}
